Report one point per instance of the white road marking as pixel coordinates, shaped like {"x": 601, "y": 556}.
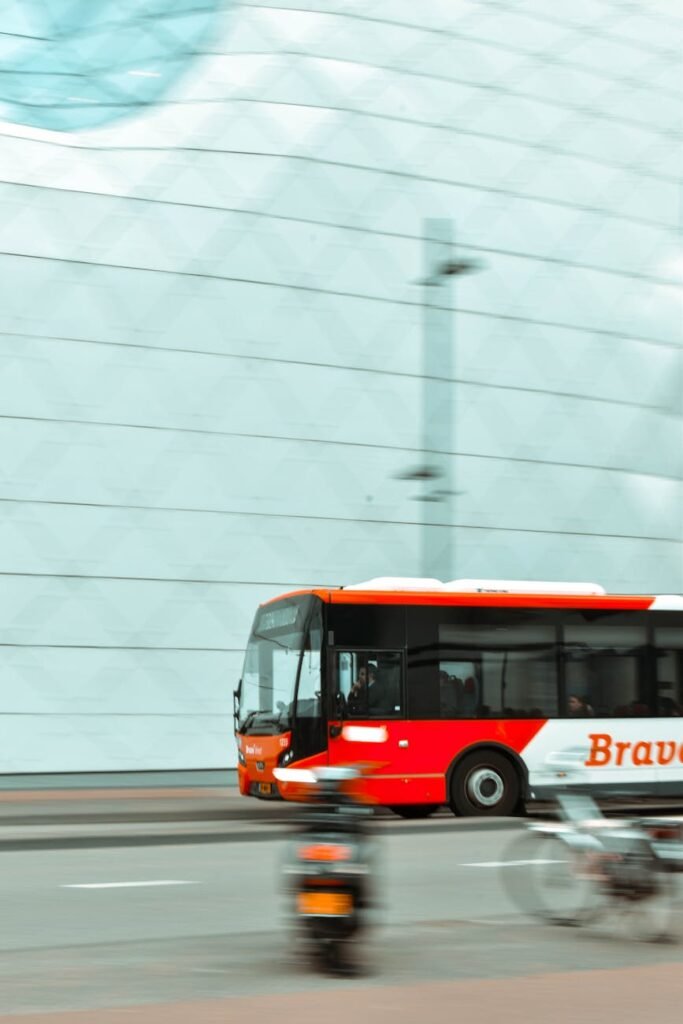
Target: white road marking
{"x": 126, "y": 885}
{"x": 508, "y": 863}
{"x": 487, "y": 921}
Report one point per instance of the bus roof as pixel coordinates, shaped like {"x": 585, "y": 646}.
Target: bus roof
{"x": 488, "y": 593}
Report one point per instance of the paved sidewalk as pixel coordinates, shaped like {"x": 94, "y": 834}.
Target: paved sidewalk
{"x": 66, "y": 818}
{"x": 629, "y": 995}
{"x": 31, "y": 819}
{"x": 43, "y": 806}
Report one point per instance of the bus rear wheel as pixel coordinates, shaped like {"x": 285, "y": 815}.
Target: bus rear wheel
{"x": 484, "y": 784}
{"x": 414, "y": 810}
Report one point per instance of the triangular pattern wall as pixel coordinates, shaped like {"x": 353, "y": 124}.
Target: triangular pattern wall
{"x": 212, "y": 340}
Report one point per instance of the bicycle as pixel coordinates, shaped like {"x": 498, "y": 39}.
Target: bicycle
{"x": 586, "y": 867}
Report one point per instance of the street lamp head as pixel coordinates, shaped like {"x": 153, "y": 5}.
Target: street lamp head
{"x": 452, "y": 268}
{"x": 419, "y": 473}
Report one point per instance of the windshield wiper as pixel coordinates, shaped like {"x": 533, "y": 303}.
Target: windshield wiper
{"x": 272, "y": 720}
{"x": 264, "y": 719}
{"x": 251, "y": 715}
{"x": 272, "y": 640}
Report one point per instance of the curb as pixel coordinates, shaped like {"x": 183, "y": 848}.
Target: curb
{"x": 244, "y": 832}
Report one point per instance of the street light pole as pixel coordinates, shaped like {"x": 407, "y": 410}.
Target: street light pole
{"x": 437, "y": 411}
{"x": 438, "y": 418}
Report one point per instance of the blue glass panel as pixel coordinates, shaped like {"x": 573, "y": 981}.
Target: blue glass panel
{"x": 68, "y": 65}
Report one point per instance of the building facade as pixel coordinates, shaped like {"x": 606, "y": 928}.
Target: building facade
{"x": 226, "y": 334}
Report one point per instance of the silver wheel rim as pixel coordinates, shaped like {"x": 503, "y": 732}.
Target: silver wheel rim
{"x": 485, "y": 787}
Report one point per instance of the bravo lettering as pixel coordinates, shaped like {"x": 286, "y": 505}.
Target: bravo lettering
{"x": 666, "y": 751}
{"x": 605, "y": 750}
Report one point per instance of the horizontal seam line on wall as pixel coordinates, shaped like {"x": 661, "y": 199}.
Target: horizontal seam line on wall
{"x": 324, "y": 442}
{"x": 346, "y": 368}
{"x": 332, "y": 225}
{"x": 281, "y": 515}
{"x": 120, "y": 647}
{"x": 115, "y": 714}
{"x": 599, "y": 212}
{"x": 358, "y": 296}
{"x": 531, "y": 15}
{"x": 151, "y": 579}
{"x": 592, "y": 111}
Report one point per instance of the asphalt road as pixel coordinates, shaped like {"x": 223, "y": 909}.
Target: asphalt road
{"x": 199, "y": 933}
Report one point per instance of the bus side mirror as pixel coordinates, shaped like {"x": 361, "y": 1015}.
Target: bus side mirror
{"x": 236, "y": 694}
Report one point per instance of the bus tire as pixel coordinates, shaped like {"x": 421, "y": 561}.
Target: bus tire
{"x": 484, "y": 784}
{"x": 414, "y": 810}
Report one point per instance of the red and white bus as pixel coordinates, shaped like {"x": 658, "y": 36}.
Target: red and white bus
{"x": 475, "y": 687}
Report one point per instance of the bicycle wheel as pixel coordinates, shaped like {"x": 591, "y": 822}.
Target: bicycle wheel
{"x": 653, "y": 918}
{"x": 563, "y": 889}
{"x": 516, "y": 874}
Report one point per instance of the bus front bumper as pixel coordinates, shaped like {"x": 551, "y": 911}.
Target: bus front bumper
{"x": 264, "y": 788}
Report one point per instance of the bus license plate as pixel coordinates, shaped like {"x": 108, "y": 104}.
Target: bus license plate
{"x": 265, "y": 787}
{"x": 328, "y": 904}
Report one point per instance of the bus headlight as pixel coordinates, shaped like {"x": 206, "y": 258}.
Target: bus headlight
{"x": 286, "y": 758}
{"x": 241, "y": 758}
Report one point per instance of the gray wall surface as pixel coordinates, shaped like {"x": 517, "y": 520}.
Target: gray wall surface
{"x": 212, "y": 346}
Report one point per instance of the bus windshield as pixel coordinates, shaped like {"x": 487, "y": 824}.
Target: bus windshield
{"x": 271, "y": 666}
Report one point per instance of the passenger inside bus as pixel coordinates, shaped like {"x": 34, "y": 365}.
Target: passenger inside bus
{"x": 578, "y": 707}
{"x": 376, "y": 692}
{"x": 669, "y": 708}
{"x": 449, "y": 695}
{"x": 358, "y": 694}
{"x": 360, "y": 684}
{"x": 458, "y": 691}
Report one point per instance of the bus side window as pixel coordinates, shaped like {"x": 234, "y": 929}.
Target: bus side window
{"x": 384, "y": 696}
{"x": 459, "y": 689}
{"x": 669, "y": 654}
{"x": 371, "y": 683}
{"x": 604, "y": 666}
{"x": 503, "y": 664}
